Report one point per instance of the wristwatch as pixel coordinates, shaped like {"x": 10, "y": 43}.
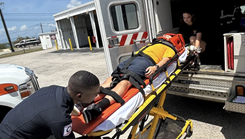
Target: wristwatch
{"x": 157, "y": 67}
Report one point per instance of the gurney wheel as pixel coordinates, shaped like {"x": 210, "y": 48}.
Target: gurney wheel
{"x": 188, "y": 131}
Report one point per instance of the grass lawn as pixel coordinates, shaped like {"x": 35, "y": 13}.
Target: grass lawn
{"x": 20, "y": 52}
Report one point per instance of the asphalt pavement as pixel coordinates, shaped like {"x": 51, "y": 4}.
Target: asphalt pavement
{"x": 55, "y": 68}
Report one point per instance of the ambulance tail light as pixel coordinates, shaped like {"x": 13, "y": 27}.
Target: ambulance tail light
{"x": 26, "y": 89}
{"x": 240, "y": 90}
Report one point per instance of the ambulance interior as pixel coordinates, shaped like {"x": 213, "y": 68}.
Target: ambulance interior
{"x": 217, "y": 18}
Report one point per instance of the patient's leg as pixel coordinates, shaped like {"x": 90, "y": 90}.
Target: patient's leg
{"x": 96, "y": 110}
{"x": 121, "y": 88}
{"x": 105, "y": 84}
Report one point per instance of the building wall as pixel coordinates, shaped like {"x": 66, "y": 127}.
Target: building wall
{"x": 82, "y": 23}
{"x": 81, "y": 29}
{"x": 46, "y": 41}
{"x": 66, "y": 29}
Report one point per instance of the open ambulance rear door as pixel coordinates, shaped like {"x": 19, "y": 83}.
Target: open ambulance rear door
{"x": 124, "y": 27}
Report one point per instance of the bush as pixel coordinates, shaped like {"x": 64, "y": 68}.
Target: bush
{"x": 3, "y": 45}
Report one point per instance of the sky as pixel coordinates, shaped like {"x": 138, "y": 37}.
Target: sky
{"x": 23, "y": 17}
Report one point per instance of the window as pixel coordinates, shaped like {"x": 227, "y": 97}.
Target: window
{"x": 124, "y": 17}
{"x": 242, "y": 9}
{"x": 124, "y": 58}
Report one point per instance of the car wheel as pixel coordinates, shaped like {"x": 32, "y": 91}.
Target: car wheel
{"x": 4, "y": 111}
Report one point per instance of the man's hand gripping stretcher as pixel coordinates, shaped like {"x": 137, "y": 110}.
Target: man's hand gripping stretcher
{"x": 142, "y": 65}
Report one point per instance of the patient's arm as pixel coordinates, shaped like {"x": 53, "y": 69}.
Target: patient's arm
{"x": 152, "y": 69}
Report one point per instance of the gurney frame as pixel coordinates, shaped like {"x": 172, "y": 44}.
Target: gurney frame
{"x": 148, "y": 107}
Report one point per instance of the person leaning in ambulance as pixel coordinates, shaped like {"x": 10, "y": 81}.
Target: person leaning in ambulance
{"x": 47, "y": 111}
{"x": 192, "y": 31}
{"x": 154, "y": 57}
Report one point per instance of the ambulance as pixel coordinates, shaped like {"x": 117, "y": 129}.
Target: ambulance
{"x": 16, "y": 84}
{"x": 128, "y": 25}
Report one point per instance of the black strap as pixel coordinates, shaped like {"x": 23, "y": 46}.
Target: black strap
{"x": 136, "y": 84}
{"x": 167, "y": 43}
{"x": 146, "y": 56}
{"x": 113, "y": 94}
{"x": 130, "y": 61}
{"x": 134, "y": 75}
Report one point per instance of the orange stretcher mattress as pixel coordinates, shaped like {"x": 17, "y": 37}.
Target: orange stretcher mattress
{"x": 78, "y": 122}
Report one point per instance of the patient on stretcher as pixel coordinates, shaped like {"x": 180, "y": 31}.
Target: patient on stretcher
{"x": 133, "y": 71}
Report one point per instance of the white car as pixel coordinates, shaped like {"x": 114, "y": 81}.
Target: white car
{"x": 27, "y": 42}
{"x": 16, "y": 84}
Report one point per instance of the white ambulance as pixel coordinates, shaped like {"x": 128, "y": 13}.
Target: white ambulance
{"x": 127, "y": 25}
{"x": 16, "y": 84}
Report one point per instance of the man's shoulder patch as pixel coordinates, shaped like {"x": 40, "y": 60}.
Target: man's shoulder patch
{"x": 67, "y": 130}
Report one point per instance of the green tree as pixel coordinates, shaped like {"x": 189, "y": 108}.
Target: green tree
{"x": 3, "y": 45}
{"x": 27, "y": 37}
{"x": 18, "y": 40}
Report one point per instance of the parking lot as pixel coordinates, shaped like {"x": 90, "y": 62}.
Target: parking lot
{"x": 55, "y": 67}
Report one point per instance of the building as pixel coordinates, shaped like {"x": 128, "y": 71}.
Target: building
{"x": 77, "y": 24}
{"x": 48, "y": 40}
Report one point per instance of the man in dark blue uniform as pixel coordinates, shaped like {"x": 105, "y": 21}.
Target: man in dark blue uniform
{"x": 47, "y": 111}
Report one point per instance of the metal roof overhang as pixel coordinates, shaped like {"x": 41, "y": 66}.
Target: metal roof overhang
{"x": 84, "y": 8}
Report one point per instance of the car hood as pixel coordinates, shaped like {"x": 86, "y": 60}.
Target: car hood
{"x": 11, "y": 73}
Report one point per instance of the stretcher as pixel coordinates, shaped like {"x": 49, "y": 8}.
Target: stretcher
{"x": 136, "y": 109}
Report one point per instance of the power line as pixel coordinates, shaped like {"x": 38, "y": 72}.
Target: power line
{"x": 21, "y": 34}
{"x": 28, "y": 13}
{"x": 29, "y": 19}
{"x": 11, "y": 32}
{"x": 30, "y": 29}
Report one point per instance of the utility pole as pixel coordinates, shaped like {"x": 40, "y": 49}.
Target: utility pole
{"x": 5, "y": 27}
{"x": 41, "y": 27}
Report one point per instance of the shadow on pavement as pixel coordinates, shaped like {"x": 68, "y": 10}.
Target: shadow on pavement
{"x": 82, "y": 50}
{"x": 232, "y": 123}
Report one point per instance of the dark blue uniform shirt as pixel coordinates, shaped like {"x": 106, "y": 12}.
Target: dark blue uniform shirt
{"x": 44, "y": 113}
